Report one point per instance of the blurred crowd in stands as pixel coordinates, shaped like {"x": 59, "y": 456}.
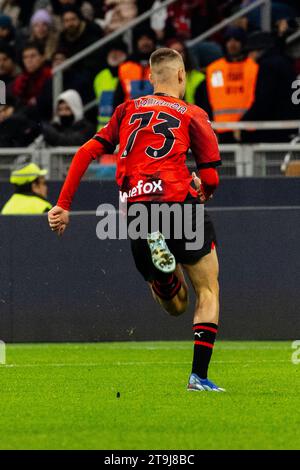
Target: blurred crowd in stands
{"x": 240, "y": 73}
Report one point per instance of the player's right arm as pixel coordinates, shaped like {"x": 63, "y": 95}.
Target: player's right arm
{"x": 204, "y": 146}
{"x": 103, "y": 142}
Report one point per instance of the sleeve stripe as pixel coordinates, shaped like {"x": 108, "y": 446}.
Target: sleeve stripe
{"x": 108, "y": 146}
{"x": 212, "y": 164}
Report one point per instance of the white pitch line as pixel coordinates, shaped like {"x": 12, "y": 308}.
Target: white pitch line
{"x": 188, "y": 347}
{"x": 136, "y": 363}
{"x": 219, "y": 347}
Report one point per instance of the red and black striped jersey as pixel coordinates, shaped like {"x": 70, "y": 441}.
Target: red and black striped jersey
{"x": 154, "y": 134}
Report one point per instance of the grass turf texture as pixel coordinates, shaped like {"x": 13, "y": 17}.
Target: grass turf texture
{"x": 64, "y": 396}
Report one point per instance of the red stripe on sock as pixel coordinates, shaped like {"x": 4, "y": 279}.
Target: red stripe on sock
{"x": 203, "y": 343}
{"x": 164, "y": 292}
{"x": 167, "y": 282}
{"x": 209, "y": 328}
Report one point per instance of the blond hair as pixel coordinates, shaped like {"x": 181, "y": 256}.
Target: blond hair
{"x": 163, "y": 62}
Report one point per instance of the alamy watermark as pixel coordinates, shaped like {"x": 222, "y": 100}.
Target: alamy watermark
{"x": 2, "y": 352}
{"x": 296, "y": 354}
{"x": 175, "y": 220}
{"x": 296, "y": 94}
{"x": 2, "y": 92}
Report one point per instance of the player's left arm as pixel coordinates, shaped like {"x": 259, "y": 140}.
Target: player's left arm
{"x": 103, "y": 142}
{"x": 204, "y": 146}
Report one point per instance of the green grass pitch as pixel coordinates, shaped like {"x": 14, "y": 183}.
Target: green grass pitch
{"x": 64, "y": 396}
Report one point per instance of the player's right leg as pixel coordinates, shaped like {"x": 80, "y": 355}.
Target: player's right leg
{"x": 204, "y": 277}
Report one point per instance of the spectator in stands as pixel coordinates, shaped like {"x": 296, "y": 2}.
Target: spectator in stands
{"x": 107, "y": 79}
{"x": 282, "y": 29}
{"x": 273, "y": 88}
{"x": 73, "y": 79}
{"x": 30, "y": 190}
{"x": 20, "y": 10}
{"x": 279, "y": 9}
{"x": 134, "y": 73}
{"x": 194, "y": 77}
{"x": 88, "y": 10}
{"x": 29, "y": 84}
{"x": 186, "y": 19}
{"x": 59, "y": 5}
{"x": 69, "y": 126}
{"x": 8, "y": 65}
{"x": 12, "y": 9}
{"x": 7, "y": 30}
{"x": 16, "y": 128}
{"x": 230, "y": 83}
{"x": 77, "y": 34}
{"x": 118, "y": 13}
{"x": 43, "y": 34}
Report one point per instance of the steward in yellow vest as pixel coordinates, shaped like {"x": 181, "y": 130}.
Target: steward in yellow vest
{"x": 194, "y": 78}
{"x": 106, "y": 82}
{"x": 30, "y": 192}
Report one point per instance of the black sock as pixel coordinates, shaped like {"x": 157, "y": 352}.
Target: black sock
{"x": 169, "y": 287}
{"x": 204, "y": 338}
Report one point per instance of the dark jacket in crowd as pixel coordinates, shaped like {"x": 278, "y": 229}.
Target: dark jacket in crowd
{"x": 91, "y": 33}
{"x": 76, "y": 134}
{"x": 273, "y": 96}
{"x": 18, "y": 131}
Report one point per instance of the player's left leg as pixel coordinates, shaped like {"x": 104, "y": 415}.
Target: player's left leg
{"x": 171, "y": 291}
{"x": 204, "y": 278}
{"x": 168, "y": 285}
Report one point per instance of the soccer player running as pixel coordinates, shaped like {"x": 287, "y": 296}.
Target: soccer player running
{"x": 154, "y": 134}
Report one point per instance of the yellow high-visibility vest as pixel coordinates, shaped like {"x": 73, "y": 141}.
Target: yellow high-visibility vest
{"x": 193, "y": 79}
{"x": 25, "y": 204}
{"x": 105, "y": 85}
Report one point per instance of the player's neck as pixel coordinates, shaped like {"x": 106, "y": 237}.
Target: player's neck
{"x": 165, "y": 90}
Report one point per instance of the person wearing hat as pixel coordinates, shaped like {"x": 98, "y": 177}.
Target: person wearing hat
{"x": 30, "y": 191}
{"x": 230, "y": 83}
{"x": 106, "y": 81}
{"x": 42, "y": 32}
{"x": 7, "y": 30}
{"x": 69, "y": 126}
{"x": 234, "y": 42}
